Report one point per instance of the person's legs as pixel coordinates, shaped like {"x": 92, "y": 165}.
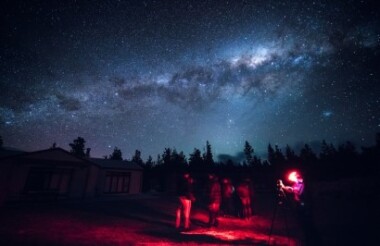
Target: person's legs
{"x": 217, "y": 210}
{"x": 249, "y": 208}
{"x": 187, "y": 209}
{"x": 213, "y": 214}
{"x": 179, "y": 210}
{"x": 245, "y": 204}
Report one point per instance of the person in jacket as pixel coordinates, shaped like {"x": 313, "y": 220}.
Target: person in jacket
{"x": 228, "y": 190}
{"x": 244, "y": 192}
{"x": 214, "y": 200}
{"x": 185, "y": 198}
{"x": 296, "y": 189}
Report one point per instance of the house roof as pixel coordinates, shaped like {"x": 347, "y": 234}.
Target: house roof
{"x": 52, "y": 154}
{"x": 6, "y": 152}
{"x": 61, "y": 155}
{"x": 115, "y": 164}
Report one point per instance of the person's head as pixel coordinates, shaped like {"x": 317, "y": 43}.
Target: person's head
{"x": 186, "y": 175}
{"x": 226, "y": 181}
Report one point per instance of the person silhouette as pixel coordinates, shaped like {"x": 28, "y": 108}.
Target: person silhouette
{"x": 185, "y": 199}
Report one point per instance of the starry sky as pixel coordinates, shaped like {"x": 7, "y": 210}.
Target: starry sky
{"x": 151, "y": 75}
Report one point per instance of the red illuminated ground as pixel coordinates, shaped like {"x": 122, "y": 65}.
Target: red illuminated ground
{"x": 145, "y": 220}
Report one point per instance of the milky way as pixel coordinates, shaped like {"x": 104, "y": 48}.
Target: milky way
{"x": 149, "y": 75}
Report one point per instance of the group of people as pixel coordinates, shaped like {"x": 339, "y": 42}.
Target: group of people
{"x": 222, "y": 198}
{"x": 226, "y": 199}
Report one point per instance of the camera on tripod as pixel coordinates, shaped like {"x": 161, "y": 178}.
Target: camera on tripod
{"x": 281, "y": 195}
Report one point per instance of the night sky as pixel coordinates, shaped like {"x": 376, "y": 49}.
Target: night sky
{"x": 149, "y": 75}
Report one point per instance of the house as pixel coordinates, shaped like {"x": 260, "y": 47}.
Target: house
{"x": 58, "y": 174}
{"x": 117, "y": 177}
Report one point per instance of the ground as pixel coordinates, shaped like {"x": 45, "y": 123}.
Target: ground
{"x": 147, "y": 219}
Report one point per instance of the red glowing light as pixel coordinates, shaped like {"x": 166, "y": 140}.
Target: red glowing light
{"x": 294, "y": 176}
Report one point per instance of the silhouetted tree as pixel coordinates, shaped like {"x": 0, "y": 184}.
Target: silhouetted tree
{"x": 77, "y": 147}
{"x": 167, "y": 156}
{"x": 279, "y": 156}
{"x": 307, "y": 156}
{"x": 116, "y": 154}
{"x": 207, "y": 157}
{"x": 271, "y": 155}
{"x": 347, "y": 149}
{"x": 137, "y": 157}
{"x": 159, "y": 161}
{"x": 1, "y": 142}
{"x": 195, "y": 159}
{"x": 328, "y": 151}
{"x": 149, "y": 163}
{"x": 290, "y": 154}
{"x": 178, "y": 159}
{"x": 248, "y": 152}
{"x": 256, "y": 161}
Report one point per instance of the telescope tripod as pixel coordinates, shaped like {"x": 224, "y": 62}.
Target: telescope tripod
{"x": 281, "y": 209}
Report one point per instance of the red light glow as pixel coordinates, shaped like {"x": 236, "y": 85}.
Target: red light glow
{"x": 293, "y": 176}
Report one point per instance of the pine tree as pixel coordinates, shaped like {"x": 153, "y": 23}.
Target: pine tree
{"x": 137, "y": 157}
{"x": 195, "y": 158}
{"x": 208, "y": 158}
{"x": 271, "y": 155}
{"x": 248, "y": 152}
{"x": 116, "y": 154}
{"x": 77, "y": 147}
{"x": 290, "y": 154}
{"x": 149, "y": 163}
{"x": 167, "y": 156}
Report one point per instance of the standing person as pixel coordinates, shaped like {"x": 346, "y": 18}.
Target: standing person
{"x": 185, "y": 198}
{"x": 244, "y": 193}
{"x": 227, "y": 197}
{"x": 296, "y": 189}
{"x": 303, "y": 211}
{"x": 215, "y": 197}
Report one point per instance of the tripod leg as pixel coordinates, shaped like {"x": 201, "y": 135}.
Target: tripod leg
{"x": 272, "y": 224}
{"x": 286, "y": 224}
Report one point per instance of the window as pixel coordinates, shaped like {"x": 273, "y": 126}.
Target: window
{"x": 117, "y": 182}
{"x": 48, "y": 180}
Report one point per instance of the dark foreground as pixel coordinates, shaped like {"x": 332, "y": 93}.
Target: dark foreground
{"x": 149, "y": 219}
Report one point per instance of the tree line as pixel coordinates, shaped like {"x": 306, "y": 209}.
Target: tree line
{"x": 331, "y": 163}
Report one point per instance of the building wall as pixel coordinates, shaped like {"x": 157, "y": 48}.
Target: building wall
{"x": 135, "y": 181}
{"x": 18, "y": 175}
{"x": 92, "y": 182}
{"x": 87, "y": 180}
{"x": 78, "y": 183}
